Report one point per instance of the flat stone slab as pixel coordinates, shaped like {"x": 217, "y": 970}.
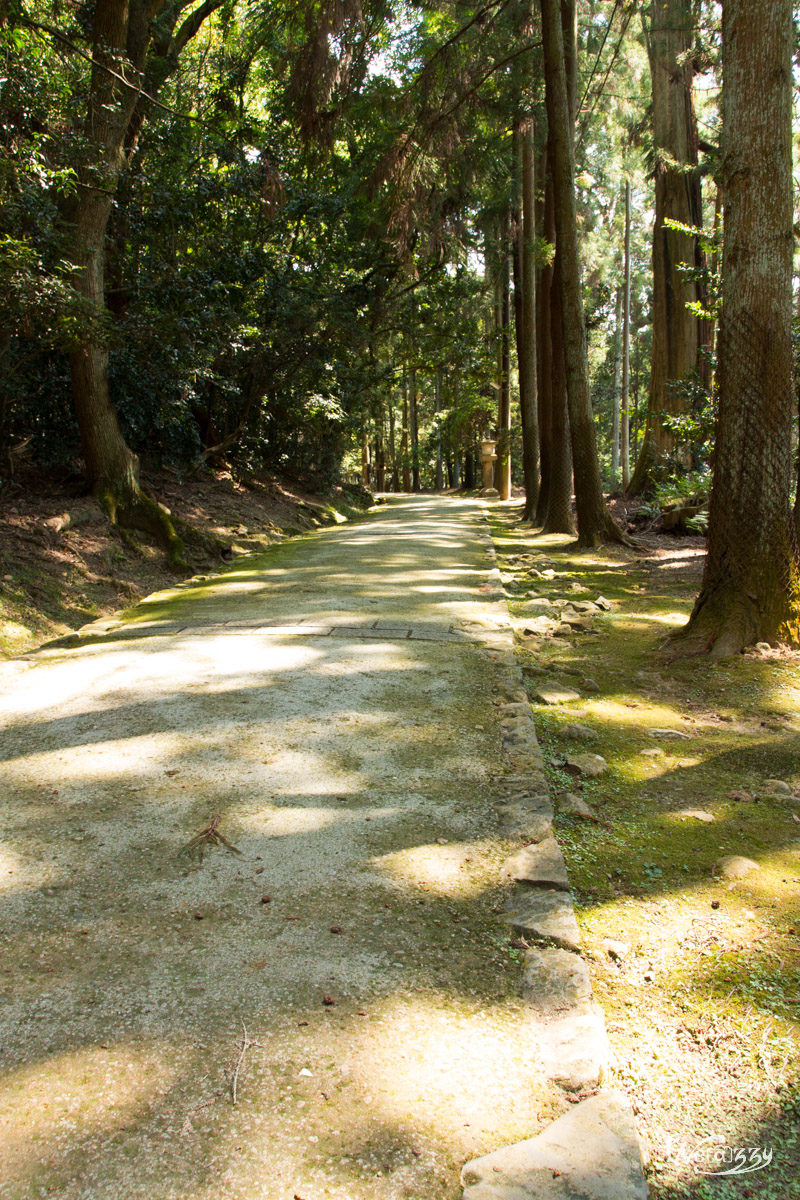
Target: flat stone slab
{"x": 669, "y": 733}
{"x": 540, "y": 863}
{"x": 521, "y": 823}
{"x": 591, "y": 1153}
{"x": 556, "y": 982}
{"x": 573, "y": 1051}
{"x": 551, "y": 693}
{"x": 696, "y": 814}
{"x": 547, "y": 916}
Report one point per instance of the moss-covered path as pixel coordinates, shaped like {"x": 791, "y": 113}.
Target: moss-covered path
{"x": 345, "y": 974}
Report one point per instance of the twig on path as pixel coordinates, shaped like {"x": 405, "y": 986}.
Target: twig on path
{"x": 247, "y": 1042}
{"x": 210, "y": 834}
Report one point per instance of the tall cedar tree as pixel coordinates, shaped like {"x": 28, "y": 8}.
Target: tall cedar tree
{"x": 751, "y": 586}
{"x": 525, "y": 309}
{"x": 676, "y": 329}
{"x": 595, "y": 523}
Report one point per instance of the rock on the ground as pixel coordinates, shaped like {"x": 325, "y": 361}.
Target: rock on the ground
{"x": 697, "y": 814}
{"x": 576, "y": 620}
{"x": 777, "y": 788}
{"x": 590, "y": 765}
{"x": 590, "y": 685}
{"x": 668, "y": 733}
{"x": 573, "y": 1051}
{"x": 735, "y": 866}
{"x": 551, "y": 693}
{"x": 538, "y": 606}
{"x": 570, "y": 805}
{"x": 540, "y": 863}
{"x": 616, "y": 949}
{"x": 591, "y": 1153}
{"x": 547, "y": 916}
{"x": 577, "y": 733}
{"x": 556, "y": 982}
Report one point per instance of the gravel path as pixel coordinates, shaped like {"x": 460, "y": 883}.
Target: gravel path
{"x": 346, "y": 974}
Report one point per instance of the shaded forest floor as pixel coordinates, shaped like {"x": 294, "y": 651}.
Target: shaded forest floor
{"x": 698, "y": 974}
{"x": 62, "y": 565}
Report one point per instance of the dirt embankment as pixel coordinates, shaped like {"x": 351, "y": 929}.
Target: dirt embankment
{"x": 62, "y": 564}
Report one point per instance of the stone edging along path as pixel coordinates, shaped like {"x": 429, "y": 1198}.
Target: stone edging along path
{"x": 591, "y": 1152}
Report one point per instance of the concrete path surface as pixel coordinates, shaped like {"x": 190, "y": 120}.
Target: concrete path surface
{"x": 335, "y": 1010}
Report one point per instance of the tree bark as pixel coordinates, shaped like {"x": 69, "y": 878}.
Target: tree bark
{"x": 544, "y": 348}
{"x": 503, "y": 475}
{"x": 525, "y": 314}
{"x": 615, "y": 399}
{"x": 404, "y": 455}
{"x": 115, "y": 111}
{"x": 414, "y": 429}
{"x": 393, "y": 448}
{"x": 438, "y": 482}
{"x": 678, "y": 197}
{"x": 558, "y": 516}
{"x": 751, "y": 586}
{"x": 625, "y": 408}
{"x": 595, "y": 523}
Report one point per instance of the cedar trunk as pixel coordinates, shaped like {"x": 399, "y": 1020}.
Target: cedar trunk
{"x": 676, "y": 330}
{"x": 414, "y": 430}
{"x": 595, "y": 524}
{"x": 751, "y": 589}
{"x": 525, "y": 314}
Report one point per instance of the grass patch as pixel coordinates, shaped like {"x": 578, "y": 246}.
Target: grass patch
{"x": 702, "y": 1004}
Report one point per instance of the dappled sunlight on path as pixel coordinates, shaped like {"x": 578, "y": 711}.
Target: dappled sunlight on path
{"x": 346, "y": 967}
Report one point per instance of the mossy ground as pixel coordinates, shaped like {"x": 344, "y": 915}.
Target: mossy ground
{"x": 703, "y": 1010}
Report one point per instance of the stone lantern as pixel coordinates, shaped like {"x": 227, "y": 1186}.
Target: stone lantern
{"x": 488, "y": 456}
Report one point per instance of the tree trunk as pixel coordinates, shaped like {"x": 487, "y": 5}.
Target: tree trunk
{"x": 525, "y": 314}
{"x": 595, "y": 523}
{"x": 414, "y": 430}
{"x": 678, "y": 196}
{"x": 121, "y": 38}
{"x": 503, "y": 463}
{"x": 625, "y": 411}
{"x": 751, "y": 586}
{"x": 404, "y": 456}
{"x": 615, "y": 400}
{"x": 558, "y": 517}
{"x": 365, "y": 462}
{"x": 380, "y": 451}
{"x": 544, "y": 349}
{"x": 470, "y": 472}
{"x": 438, "y": 482}
{"x": 393, "y": 448}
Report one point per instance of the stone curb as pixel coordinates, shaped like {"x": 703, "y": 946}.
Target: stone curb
{"x": 592, "y": 1152}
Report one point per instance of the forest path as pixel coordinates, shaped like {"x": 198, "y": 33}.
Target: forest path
{"x": 348, "y": 974}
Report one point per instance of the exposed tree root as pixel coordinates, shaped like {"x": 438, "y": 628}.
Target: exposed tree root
{"x": 726, "y": 621}
{"x": 136, "y": 510}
